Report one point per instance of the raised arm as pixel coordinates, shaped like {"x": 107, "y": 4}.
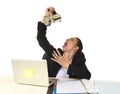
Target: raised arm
{"x": 41, "y": 35}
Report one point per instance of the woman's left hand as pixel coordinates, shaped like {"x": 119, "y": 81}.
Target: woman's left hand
{"x": 57, "y": 57}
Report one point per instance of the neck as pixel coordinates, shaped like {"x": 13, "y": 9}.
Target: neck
{"x": 68, "y": 56}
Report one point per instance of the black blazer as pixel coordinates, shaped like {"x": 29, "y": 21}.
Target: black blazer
{"x": 77, "y": 69}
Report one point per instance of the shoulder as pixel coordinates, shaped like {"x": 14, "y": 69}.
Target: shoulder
{"x": 80, "y": 57}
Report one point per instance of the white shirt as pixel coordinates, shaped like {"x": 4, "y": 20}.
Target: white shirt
{"x": 62, "y": 73}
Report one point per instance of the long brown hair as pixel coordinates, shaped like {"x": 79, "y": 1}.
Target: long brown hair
{"x": 79, "y": 44}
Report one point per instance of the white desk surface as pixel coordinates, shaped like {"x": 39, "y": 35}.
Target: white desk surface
{"x": 8, "y": 86}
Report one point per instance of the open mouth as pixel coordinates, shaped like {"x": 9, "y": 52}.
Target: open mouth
{"x": 65, "y": 44}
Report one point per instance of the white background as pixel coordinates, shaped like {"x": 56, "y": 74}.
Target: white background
{"x": 95, "y": 22}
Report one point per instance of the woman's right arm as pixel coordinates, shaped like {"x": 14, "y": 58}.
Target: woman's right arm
{"x": 41, "y": 35}
{"x": 42, "y": 39}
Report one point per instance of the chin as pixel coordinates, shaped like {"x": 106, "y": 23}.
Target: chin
{"x": 63, "y": 49}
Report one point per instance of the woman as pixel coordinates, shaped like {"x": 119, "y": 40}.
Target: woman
{"x": 66, "y": 62}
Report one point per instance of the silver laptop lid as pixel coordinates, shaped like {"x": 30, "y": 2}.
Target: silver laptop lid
{"x": 32, "y": 72}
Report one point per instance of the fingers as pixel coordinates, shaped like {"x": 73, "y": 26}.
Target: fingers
{"x": 54, "y": 59}
{"x": 51, "y": 9}
{"x": 56, "y": 54}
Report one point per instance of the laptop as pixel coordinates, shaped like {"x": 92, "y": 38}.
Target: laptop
{"x": 31, "y": 72}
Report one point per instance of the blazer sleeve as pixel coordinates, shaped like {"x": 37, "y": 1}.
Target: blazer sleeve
{"x": 42, "y": 39}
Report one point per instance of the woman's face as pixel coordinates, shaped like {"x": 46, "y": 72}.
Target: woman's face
{"x": 70, "y": 44}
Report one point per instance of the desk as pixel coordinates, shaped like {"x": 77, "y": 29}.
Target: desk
{"x": 8, "y": 86}
{"x": 108, "y": 87}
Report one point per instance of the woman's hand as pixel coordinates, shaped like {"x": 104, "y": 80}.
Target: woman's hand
{"x": 49, "y": 11}
{"x": 57, "y": 57}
